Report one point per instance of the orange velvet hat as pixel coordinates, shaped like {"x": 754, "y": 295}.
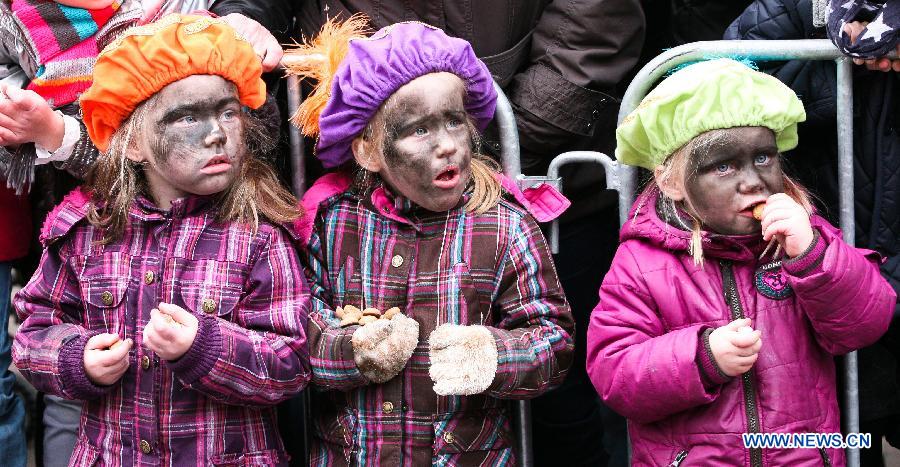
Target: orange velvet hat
{"x": 145, "y": 59}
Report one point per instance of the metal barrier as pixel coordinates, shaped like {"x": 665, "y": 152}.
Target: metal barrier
{"x": 623, "y": 177}
{"x": 509, "y": 161}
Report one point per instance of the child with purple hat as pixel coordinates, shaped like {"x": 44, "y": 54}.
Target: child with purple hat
{"x": 434, "y": 293}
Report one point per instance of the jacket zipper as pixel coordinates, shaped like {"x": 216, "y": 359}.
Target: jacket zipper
{"x": 825, "y": 458}
{"x": 750, "y": 405}
{"x": 679, "y": 458}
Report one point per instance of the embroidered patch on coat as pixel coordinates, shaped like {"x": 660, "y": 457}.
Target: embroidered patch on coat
{"x": 771, "y": 281}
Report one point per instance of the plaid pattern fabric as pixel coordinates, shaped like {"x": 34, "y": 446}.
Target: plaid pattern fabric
{"x": 214, "y": 404}
{"x": 66, "y": 43}
{"x": 492, "y": 269}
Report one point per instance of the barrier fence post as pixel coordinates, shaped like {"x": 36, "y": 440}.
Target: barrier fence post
{"x": 298, "y": 170}
{"x": 848, "y": 227}
{"x": 298, "y": 186}
{"x": 512, "y": 168}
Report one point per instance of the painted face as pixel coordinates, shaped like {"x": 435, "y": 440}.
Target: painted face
{"x": 192, "y": 138}
{"x": 727, "y": 180}
{"x": 428, "y": 142}
{"x": 86, "y": 4}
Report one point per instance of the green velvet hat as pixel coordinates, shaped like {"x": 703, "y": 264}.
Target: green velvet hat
{"x": 704, "y": 96}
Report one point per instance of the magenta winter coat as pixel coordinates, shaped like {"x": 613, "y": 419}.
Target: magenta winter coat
{"x": 645, "y": 345}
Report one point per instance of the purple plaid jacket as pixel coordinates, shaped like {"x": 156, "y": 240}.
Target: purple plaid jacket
{"x": 492, "y": 269}
{"x": 214, "y": 405}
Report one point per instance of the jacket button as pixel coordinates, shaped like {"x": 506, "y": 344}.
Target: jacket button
{"x": 145, "y": 362}
{"x": 397, "y": 261}
{"x": 107, "y": 298}
{"x": 149, "y": 277}
{"x": 448, "y": 437}
{"x": 145, "y": 446}
{"x": 209, "y": 305}
{"x": 387, "y": 407}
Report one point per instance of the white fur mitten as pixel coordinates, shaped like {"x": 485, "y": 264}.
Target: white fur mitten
{"x": 381, "y": 348}
{"x": 463, "y": 359}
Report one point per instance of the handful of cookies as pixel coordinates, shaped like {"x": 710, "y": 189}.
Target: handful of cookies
{"x": 350, "y": 315}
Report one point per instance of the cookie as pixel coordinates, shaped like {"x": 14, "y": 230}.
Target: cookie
{"x": 349, "y": 321}
{"x": 390, "y": 313}
{"x": 758, "y": 211}
{"x": 367, "y": 319}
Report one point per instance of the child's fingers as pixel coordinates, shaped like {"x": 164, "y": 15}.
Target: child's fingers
{"x": 744, "y": 340}
{"x": 160, "y": 326}
{"x": 7, "y": 137}
{"x": 120, "y": 352}
{"x": 744, "y": 364}
{"x": 175, "y": 311}
{"x": 737, "y": 324}
{"x": 101, "y": 341}
{"x": 21, "y": 99}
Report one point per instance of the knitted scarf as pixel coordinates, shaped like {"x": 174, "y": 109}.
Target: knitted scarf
{"x": 65, "y": 43}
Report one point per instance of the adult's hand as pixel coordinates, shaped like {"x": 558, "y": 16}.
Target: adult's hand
{"x": 264, "y": 43}
{"x": 854, "y": 29}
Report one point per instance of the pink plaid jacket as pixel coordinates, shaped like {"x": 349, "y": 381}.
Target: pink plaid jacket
{"x": 213, "y": 406}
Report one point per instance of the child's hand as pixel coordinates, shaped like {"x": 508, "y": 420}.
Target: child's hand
{"x": 785, "y": 219}
{"x": 26, "y": 117}
{"x": 463, "y": 359}
{"x": 170, "y": 331}
{"x": 735, "y": 346}
{"x": 103, "y": 363}
{"x": 381, "y": 349}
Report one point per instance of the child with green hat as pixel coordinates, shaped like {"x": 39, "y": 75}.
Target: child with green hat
{"x": 676, "y": 343}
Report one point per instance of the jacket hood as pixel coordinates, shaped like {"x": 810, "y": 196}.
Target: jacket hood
{"x": 655, "y": 221}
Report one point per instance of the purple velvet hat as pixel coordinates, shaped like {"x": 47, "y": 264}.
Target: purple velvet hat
{"x": 375, "y": 67}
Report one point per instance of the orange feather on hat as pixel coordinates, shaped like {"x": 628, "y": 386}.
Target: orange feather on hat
{"x": 318, "y": 59}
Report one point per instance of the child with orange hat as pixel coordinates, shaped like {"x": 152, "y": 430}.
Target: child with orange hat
{"x": 169, "y": 297}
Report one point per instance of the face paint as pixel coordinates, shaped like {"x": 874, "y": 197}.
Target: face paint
{"x": 192, "y": 138}
{"x": 428, "y": 141}
{"x": 728, "y": 178}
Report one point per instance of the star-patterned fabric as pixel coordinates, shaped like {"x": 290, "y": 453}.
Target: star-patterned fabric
{"x": 880, "y": 35}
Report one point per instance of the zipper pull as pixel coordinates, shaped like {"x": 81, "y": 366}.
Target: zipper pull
{"x": 679, "y": 458}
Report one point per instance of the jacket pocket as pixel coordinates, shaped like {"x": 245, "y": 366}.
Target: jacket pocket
{"x": 267, "y": 457}
{"x": 84, "y": 454}
{"x": 470, "y": 309}
{"x": 104, "y": 303}
{"x": 349, "y": 285}
{"x": 469, "y": 432}
{"x": 211, "y": 299}
{"x": 339, "y": 433}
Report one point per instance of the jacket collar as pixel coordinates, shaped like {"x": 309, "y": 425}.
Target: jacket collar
{"x": 145, "y": 209}
{"x": 664, "y": 224}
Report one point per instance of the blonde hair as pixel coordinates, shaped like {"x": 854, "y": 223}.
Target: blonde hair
{"x": 677, "y": 167}
{"x": 115, "y": 182}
